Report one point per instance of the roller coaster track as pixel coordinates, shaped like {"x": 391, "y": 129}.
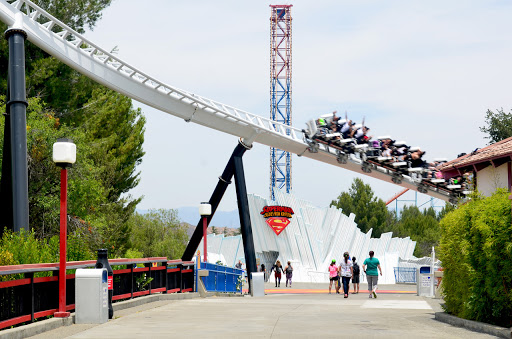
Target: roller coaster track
{"x": 73, "y": 49}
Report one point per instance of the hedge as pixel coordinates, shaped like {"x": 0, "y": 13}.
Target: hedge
{"x": 476, "y": 252}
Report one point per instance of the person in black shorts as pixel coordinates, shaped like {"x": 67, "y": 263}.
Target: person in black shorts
{"x": 355, "y": 277}
{"x": 334, "y": 277}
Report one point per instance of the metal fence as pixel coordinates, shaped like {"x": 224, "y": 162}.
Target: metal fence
{"x": 405, "y": 275}
{"x": 222, "y": 278}
{"x": 28, "y": 292}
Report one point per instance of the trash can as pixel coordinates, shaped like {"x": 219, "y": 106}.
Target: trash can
{"x": 91, "y": 296}
{"x": 424, "y": 281}
{"x": 257, "y": 284}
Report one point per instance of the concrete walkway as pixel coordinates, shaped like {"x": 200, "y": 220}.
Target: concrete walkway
{"x": 305, "y": 315}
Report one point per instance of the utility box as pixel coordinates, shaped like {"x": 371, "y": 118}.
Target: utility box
{"x": 257, "y": 284}
{"x": 424, "y": 281}
{"x": 91, "y": 296}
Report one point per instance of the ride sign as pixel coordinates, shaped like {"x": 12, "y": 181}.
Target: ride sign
{"x": 278, "y": 217}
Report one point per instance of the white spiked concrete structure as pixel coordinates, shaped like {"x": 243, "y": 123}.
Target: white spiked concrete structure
{"x": 314, "y": 237}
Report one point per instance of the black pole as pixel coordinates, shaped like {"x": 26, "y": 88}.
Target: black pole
{"x": 245, "y": 219}
{"x": 102, "y": 262}
{"x": 218, "y": 193}
{"x": 6, "y": 181}
{"x": 17, "y": 107}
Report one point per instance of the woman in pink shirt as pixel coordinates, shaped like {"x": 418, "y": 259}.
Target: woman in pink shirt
{"x": 333, "y": 276}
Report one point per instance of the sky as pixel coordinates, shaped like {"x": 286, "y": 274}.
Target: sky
{"x": 423, "y": 72}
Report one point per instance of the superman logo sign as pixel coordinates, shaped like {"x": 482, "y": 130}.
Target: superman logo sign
{"x": 278, "y": 217}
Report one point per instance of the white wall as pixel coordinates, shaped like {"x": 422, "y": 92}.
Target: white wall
{"x": 491, "y": 178}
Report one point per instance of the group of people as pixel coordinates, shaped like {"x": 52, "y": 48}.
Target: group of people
{"x": 349, "y": 270}
{"x": 334, "y": 128}
{"x": 351, "y": 138}
{"x": 278, "y": 269}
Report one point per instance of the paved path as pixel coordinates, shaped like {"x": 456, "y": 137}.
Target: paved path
{"x": 308, "y": 315}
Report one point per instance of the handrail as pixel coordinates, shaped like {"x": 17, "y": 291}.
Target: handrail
{"x": 25, "y": 268}
{"x": 30, "y": 297}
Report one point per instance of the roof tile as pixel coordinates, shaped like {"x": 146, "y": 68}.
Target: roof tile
{"x": 497, "y": 150}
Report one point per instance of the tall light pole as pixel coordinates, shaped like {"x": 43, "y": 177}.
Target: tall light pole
{"x": 205, "y": 210}
{"x": 64, "y": 155}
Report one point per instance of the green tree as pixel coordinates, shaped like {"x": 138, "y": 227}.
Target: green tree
{"x": 85, "y": 191}
{"x": 498, "y": 125}
{"x": 421, "y": 226}
{"x": 158, "y": 233}
{"x": 108, "y": 132}
{"x": 115, "y": 134}
{"x": 370, "y": 211}
{"x": 77, "y": 14}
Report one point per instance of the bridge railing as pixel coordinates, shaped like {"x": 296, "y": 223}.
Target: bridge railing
{"x": 222, "y": 278}
{"x": 405, "y": 275}
{"x": 29, "y": 292}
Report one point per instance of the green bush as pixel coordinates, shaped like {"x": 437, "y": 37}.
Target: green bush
{"x": 476, "y": 252}
{"x": 25, "y": 248}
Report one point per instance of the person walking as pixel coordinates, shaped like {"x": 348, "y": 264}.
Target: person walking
{"x": 333, "y": 277}
{"x": 278, "y": 269}
{"x": 346, "y": 273}
{"x": 355, "y": 277}
{"x": 264, "y": 271}
{"x": 289, "y": 272}
{"x": 370, "y": 267}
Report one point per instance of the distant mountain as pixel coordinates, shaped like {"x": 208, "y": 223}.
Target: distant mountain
{"x": 220, "y": 219}
{"x": 218, "y": 230}
{"x": 190, "y": 215}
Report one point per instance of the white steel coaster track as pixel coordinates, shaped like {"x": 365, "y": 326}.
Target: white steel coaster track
{"x": 70, "y": 47}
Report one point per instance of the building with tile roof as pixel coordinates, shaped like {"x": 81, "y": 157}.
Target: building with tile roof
{"x": 490, "y": 167}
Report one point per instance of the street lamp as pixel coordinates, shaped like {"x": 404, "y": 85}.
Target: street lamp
{"x": 64, "y": 155}
{"x": 205, "y": 209}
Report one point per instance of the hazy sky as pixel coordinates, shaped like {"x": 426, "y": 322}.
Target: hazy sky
{"x": 420, "y": 71}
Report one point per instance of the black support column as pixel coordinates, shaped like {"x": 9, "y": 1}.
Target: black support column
{"x": 245, "y": 219}
{"x": 17, "y": 109}
{"x": 6, "y": 181}
{"x": 218, "y": 193}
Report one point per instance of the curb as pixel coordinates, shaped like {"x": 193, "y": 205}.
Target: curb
{"x": 37, "y": 327}
{"x": 472, "y": 325}
{"x": 121, "y": 305}
{"x": 53, "y": 323}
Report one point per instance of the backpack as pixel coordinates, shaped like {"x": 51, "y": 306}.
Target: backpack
{"x": 289, "y": 269}
{"x": 356, "y": 269}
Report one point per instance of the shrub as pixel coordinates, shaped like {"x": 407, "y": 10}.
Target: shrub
{"x": 476, "y": 251}
{"x": 26, "y": 248}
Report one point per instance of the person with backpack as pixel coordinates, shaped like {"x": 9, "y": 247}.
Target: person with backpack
{"x": 289, "y": 272}
{"x": 355, "y": 276}
{"x": 277, "y": 268}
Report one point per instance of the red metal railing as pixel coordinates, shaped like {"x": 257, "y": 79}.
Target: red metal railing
{"x": 31, "y": 297}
